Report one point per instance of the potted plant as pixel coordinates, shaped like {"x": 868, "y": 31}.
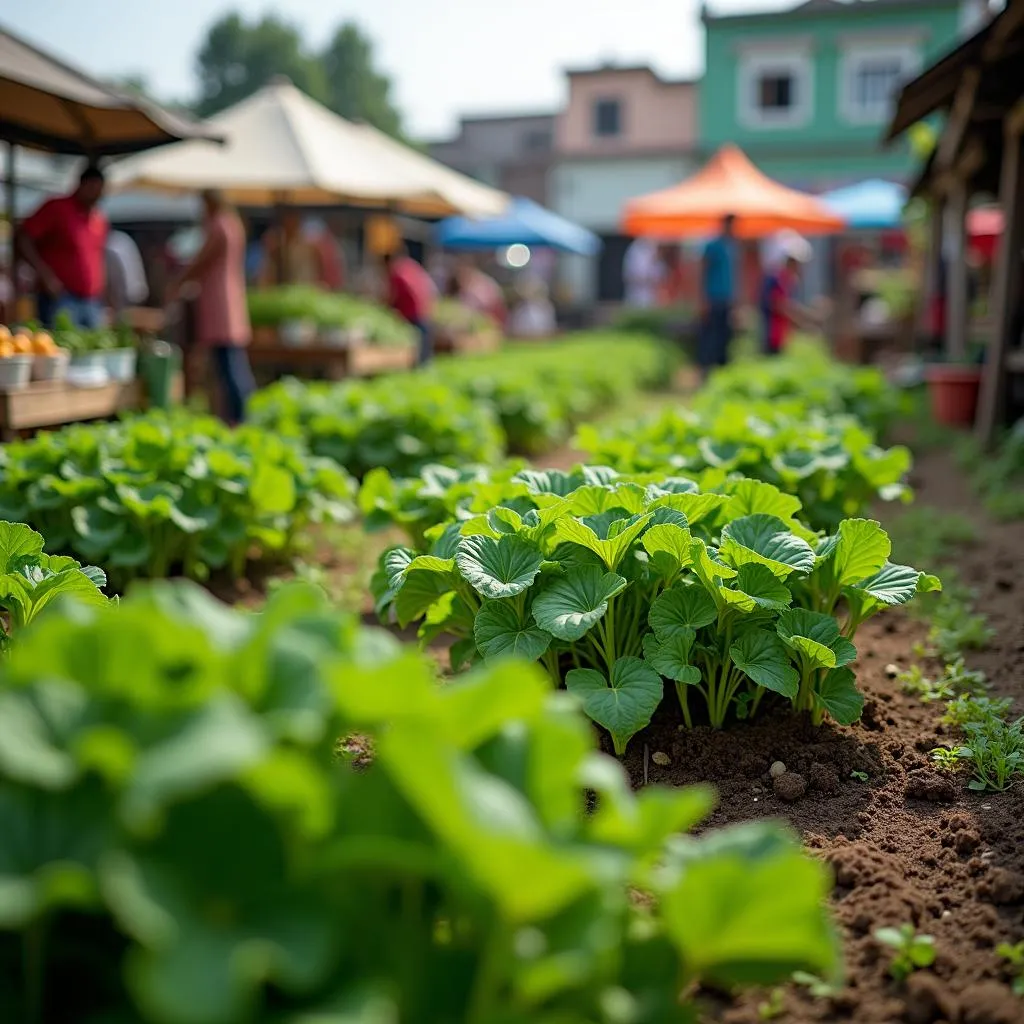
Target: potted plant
{"x": 953, "y": 390}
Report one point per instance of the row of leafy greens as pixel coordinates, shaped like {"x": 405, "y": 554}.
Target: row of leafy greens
{"x": 182, "y": 845}
{"x": 619, "y": 584}
{"x": 170, "y": 493}
{"x": 526, "y": 398}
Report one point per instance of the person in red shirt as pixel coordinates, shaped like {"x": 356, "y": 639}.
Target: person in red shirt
{"x": 411, "y": 295}
{"x": 64, "y": 242}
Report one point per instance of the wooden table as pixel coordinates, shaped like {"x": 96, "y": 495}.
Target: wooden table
{"x": 336, "y": 362}
{"x": 53, "y": 403}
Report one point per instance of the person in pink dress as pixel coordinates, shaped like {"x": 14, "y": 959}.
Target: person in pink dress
{"x": 222, "y": 314}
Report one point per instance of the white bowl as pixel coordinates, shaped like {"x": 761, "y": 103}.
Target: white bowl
{"x": 120, "y": 364}
{"x": 51, "y": 367}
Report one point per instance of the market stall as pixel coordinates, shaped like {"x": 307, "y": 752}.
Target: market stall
{"x": 47, "y": 105}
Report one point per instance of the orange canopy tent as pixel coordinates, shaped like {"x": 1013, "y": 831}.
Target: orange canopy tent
{"x": 728, "y": 183}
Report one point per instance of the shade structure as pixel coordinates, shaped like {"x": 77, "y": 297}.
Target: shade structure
{"x": 283, "y": 147}
{"x": 728, "y": 183}
{"x": 523, "y": 223}
{"x": 44, "y": 104}
{"x": 871, "y": 204}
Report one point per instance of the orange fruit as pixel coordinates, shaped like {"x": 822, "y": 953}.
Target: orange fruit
{"x": 22, "y": 343}
{"x": 42, "y": 343}
{"x": 5, "y": 332}
{"x": 6, "y": 348}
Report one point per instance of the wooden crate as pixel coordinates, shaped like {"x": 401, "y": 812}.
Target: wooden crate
{"x": 54, "y": 403}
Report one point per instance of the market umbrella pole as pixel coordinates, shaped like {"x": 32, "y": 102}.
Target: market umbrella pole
{"x": 11, "y": 223}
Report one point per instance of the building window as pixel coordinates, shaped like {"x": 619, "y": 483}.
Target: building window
{"x": 775, "y": 90}
{"x": 607, "y": 118}
{"x": 871, "y": 80}
{"x": 537, "y": 141}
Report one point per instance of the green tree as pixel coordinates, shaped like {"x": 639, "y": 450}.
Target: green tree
{"x": 355, "y": 88}
{"x": 239, "y": 57}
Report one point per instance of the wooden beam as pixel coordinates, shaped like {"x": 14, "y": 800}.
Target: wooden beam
{"x": 956, "y": 273}
{"x": 959, "y": 117}
{"x": 930, "y": 270}
{"x": 1015, "y": 118}
{"x": 1006, "y": 290}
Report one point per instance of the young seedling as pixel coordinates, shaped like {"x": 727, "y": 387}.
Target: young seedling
{"x": 947, "y": 758}
{"x": 967, "y": 708}
{"x": 995, "y": 750}
{"x": 859, "y": 776}
{"x": 817, "y": 987}
{"x": 910, "y": 950}
{"x": 1014, "y": 956}
{"x": 916, "y": 684}
{"x": 771, "y": 1007}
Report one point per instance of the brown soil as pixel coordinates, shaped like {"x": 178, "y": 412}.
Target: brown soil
{"x": 910, "y": 844}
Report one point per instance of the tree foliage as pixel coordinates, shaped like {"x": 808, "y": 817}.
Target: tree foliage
{"x": 238, "y": 57}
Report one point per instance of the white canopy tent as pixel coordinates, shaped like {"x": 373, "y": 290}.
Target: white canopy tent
{"x": 281, "y": 147}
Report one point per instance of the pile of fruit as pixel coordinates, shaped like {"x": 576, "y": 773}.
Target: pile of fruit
{"x": 24, "y": 342}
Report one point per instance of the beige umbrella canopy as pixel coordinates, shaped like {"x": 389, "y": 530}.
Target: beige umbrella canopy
{"x": 47, "y": 105}
{"x": 283, "y": 147}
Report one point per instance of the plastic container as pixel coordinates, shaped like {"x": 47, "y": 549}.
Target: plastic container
{"x": 15, "y": 372}
{"x": 120, "y": 364}
{"x": 90, "y": 362}
{"x": 954, "y": 393}
{"x": 51, "y": 367}
{"x": 158, "y": 364}
{"x": 297, "y": 333}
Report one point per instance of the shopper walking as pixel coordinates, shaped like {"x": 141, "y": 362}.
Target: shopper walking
{"x": 410, "y": 293}
{"x": 222, "y": 316}
{"x": 718, "y": 294}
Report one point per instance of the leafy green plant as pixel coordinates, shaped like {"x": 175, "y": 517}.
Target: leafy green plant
{"x": 271, "y": 307}
{"x": 831, "y": 463}
{"x": 970, "y": 708}
{"x": 401, "y": 424}
{"x": 995, "y": 752}
{"x": 30, "y": 579}
{"x": 164, "y": 493}
{"x": 1014, "y": 956}
{"x": 910, "y": 950}
{"x": 614, "y": 581}
{"x": 956, "y": 679}
{"x": 183, "y": 845}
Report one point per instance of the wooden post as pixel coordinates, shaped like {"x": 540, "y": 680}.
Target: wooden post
{"x": 931, "y": 266}
{"x": 12, "y": 223}
{"x": 1006, "y": 292}
{"x": 956, "y": 273}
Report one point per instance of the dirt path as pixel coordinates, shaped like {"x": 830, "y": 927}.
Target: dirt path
{"x": 908, "y": 844}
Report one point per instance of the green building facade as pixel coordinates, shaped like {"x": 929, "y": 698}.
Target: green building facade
{"x": 807, "y": 92}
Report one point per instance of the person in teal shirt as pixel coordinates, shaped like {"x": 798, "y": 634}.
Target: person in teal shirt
{"x": 718, "y": 290}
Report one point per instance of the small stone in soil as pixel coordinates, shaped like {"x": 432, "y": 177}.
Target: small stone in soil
{"x": 790, "y": 786}
{"x": 892, "y": 671}
{"x": 777, "y": 769}
{"x": 659, "y": 757}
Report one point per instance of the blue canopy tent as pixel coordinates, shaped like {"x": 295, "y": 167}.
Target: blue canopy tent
{"x": 868, "y": 204}
{"x": 524, "y": 222}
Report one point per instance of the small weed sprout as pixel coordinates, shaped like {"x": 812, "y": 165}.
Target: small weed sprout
{"x": 817, "y": 987}
{"x": 947, "y": 758}
{"x": 910, "y": 950}
{"x": 914, "y": 683}
{"x": 968, "y": 708}
{"x": 859, "y": 776}
{"x": 995, "y": 750}
{"x": 1014, "y": 956}
{"x": 771, "y": 1007}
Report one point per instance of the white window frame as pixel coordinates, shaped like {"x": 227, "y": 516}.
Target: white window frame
{"x": 754, "y": 65}
{"x": 853, "y": 58}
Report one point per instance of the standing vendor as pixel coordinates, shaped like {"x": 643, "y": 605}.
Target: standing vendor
{"x": 410, "y": 293}
{"x": 64, "y": 242}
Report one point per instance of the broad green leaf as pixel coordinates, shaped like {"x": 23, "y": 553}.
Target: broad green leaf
{"x": 696, "y": 507}
{"x": 837, "y": 693}
{"x": 610, "y": 551}
{"x": 756, "y": 586}
{"x": 671, "y": 657}
{"x": 752, "y": 497}
{"x": 681, "y": 610}
{"x": 499, "y": 631}
{"x": 816, "y": 636}
{"x": 417, "y": 591}
{"x": 272, "y": 489}
{"x": 750, "y": 908}
{"x": 892, "y": 584}
{"x": 16, "y": 541}
{"x": 431, "y": 563}
{"x": 569, "y": 607}
{"x": 707, "y": 569}
{"x": 498, "y": 568}
{"x": 763, "y": 657}
{"x": 670, "y": 539}
{"x": 767, "y": 540}
{"x": 861, "y": 550}
{"x": 624, "y": 705}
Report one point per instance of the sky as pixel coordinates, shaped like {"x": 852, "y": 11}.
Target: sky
{"x": 445, "y": 57}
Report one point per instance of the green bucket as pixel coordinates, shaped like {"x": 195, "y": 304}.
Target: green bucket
{"x": 159, "y": 363}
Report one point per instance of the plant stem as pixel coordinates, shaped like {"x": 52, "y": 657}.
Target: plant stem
{"x": 33, "y": 944}
{"x": 683, "y": 693}
{"x": 484, "y": 997}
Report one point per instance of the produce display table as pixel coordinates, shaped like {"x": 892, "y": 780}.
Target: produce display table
{"x": 463, "y": 342}
{"x": 336, "y": 362}
{"x": 54, "y": 403}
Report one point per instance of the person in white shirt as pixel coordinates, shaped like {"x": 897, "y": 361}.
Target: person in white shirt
{"x": 126, "y": 274}
{"x": 643, "y": 271}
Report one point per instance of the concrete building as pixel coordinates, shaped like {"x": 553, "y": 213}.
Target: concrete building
{"x": 624, "y": 131}
{"x": 806, "y": 92}
{"x": 511, "y": 152}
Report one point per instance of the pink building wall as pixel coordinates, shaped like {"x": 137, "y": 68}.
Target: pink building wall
{"x": 657, "y": 116}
